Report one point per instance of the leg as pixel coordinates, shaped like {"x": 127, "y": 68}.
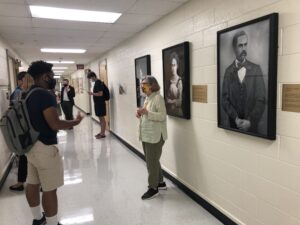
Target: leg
{"x": 64, "y": 109}
{"x": 22, "y": 174}
{"x": 33, "y": 194}
{"x": 49, "y": 202}
{"x": 102, "y": 125}
{"x": 22, "y": 170}
{"x": 153, "y": 153}
{"x": 70, "y": 110}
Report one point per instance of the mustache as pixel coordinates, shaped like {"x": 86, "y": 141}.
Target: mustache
{"x": 243, "y": 53}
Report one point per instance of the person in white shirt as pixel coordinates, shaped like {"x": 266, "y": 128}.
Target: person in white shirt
{"x": 152, "y": 134}
{"x": 67, "y": 99}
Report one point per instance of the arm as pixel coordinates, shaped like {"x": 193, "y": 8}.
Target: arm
{"x": 100, "y": 93}
{"x": 51, "y": 116}
{"x": 159, "y": 114}
{"x": 225, "y": 101}
{"x": 71, "y": 92}
{"x": 178, "y": 101}
{"x": 260, "y": 97}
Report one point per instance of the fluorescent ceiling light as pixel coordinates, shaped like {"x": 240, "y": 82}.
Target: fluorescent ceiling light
{"x": 61, "y": 62}
{"x": 73, "y": 14}
{"x": 59, "y": 68}
{"x": 58, "y": 71}
{"x": 62, "y": 50}
{"x": 56, "y": 77}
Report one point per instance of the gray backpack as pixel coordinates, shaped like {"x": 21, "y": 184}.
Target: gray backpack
{"x": 16, "y": 127}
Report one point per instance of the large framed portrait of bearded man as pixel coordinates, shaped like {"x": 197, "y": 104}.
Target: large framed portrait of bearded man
{"x": 247, "y": 77}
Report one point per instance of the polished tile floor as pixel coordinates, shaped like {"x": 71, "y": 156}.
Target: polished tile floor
{"x": 103, "y": 185}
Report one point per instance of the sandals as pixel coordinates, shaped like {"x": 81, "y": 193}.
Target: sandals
{"x": 99, "y": 136}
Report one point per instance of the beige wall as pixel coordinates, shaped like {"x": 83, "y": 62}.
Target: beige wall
{"x": 81, "y": 99}
{"x": 252, "y": 180}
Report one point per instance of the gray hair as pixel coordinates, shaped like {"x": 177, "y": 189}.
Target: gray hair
{"x": 154, "y": 86}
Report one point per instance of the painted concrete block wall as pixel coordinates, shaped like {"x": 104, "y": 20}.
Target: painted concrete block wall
{"x": 82, "y": 99}
{"x": 252, "y": 180}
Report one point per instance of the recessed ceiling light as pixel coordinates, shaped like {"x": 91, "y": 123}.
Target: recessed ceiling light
{"x": 62, "y": 50}
{"x": 61, "y": 62}
{"x": 73, "y": 14}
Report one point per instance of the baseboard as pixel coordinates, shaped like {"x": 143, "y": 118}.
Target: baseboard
{"x": 205, "y": 204}
{"x": 7, "y": 170}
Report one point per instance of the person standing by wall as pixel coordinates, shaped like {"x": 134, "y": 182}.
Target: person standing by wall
{"x": 99, "y": 102}
{"x": 153, "y": 134}
{"x": 45, "y": 165}
{"x": 24, "y": 82}
{"x": 67, "y": 99}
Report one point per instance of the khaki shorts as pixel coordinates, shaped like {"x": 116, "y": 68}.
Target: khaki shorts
{"x": 45, "y": 166}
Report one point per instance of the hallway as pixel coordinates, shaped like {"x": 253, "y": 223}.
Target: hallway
{"x": 104, "y": 182}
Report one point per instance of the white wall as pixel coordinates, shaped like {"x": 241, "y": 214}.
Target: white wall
{"x": 252, "y": 180}
{"x": 82, "y": 98}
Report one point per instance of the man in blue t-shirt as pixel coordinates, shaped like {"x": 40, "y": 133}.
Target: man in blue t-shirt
{"x": 45, "y": 166}
{"x": 17, "y": 92}
{"x": 22, "y": 166}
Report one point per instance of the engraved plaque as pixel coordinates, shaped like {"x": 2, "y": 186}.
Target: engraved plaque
{"x": 199, "y": 93}
{"x": 291, "y": 97}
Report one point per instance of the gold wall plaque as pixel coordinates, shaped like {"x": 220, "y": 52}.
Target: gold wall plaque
{"x": 291, "y": 97}
{"x": 199, "y": 93}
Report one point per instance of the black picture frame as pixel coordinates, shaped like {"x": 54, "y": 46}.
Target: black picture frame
{"x": 247, "y": 91}
{"x": 177, "y": 86}
{"x": 142, "y": 68}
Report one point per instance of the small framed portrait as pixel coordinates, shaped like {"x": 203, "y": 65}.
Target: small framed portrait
{"x": 176, "y": 79}
{"x": 142, "y": 69}
{"x": 247, "y": 77}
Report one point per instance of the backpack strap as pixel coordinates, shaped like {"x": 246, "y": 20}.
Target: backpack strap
{"x": 27, "y": 94}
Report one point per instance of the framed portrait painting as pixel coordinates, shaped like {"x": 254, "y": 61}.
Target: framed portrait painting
{"x": 142, "y": 68}
{"x": 176, "y": 79}
{"x": 247, "y": 77}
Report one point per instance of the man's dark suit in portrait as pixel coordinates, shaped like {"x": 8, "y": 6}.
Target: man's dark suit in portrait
{"x": 243, "y": 90}
{"x": 67, "y": 99}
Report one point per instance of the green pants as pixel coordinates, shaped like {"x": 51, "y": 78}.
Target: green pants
{"x": 152, "y": 156}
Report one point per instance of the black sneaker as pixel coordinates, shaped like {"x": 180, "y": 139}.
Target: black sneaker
{"x": 151, "y": 193}
{"x": 17, "y": 188}
{"x": 40, "y": 221}
{"x": 162, "y": 186}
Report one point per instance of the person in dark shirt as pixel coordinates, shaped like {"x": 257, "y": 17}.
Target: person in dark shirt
{"x": 45, "y": 166}
{"x": 99, "y": 102}
{"x": 67, "y": 99}
{"x": 243, "y": 90}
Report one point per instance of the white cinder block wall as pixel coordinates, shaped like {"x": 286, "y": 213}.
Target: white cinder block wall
{"x": 252, "y": 180}
{"x": 81, "y": 99}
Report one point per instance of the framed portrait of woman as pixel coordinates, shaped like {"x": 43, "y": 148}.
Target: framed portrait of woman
{"x": 176, "y": 79}
{"x": 142, "y": 68}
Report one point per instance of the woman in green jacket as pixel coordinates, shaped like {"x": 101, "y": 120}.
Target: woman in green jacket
{"x": 152, "y": 134}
